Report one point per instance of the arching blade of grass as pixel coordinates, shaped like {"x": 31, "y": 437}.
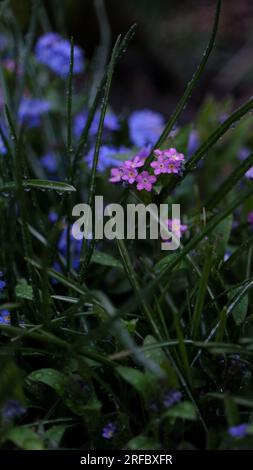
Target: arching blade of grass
{"x": 47, "y": 185}
{"x": 242, "y": 401}
{"x": 214, "y": 221}
{"x": 182, "y": 348}
{"x": 237, "y": 254}
{"x": 222, "y": 326}
{"x": 128, "y": 266}
{"x": 191, "y": 85}
{"x": 84, "y": 135}
{"x": 201, "y": 295}
{"x": 217, "y": 134}
{"x": 230, "y": 182}
{"x": 87, "y": 249}
{"x": 69, "y": 146}
{"x": 226, "y": 347}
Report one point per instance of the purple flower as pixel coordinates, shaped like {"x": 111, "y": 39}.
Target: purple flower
{"x": 12, "y": 409}
{"x": 49, "y": 162}
{"x": 30, "y": 111}
{"x": 145, "y": 127}
{"x": 144, "y": 152}
{"x": 243, "y": 153}
{"x": 5, "y": 317}
{"x": 116, "y": 175}
{"x": 3, "y": 149}
{"x": 109, "y": 431}
{"x": 177, "y": 227}
{"x": 136, "y": 162}
{"x": 167, "y": 161}
{"x": 107, "y": 157}
{"x": 2, "y": 285}
{"x": 250, "y": 217}
{"x": 227, "y": 255}
{"x": 129, "y": 174}
{"x": 171, "y": 398}
{"x": 145, "y": 181}
{"x": 54, "y": 51}
{"x": 249, "y": 173}
{"x": 53, "y": 217}
{"x": 238, "y": 431}
{"x": 174, "y": 167}
{"x": 111, "y": 123}
{"x": 173, "y": 155}
{"x": 160, "y": 165}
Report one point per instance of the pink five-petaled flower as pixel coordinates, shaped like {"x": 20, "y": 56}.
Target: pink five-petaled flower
{"x": 176, "y": 225}
{"x": 116, "y": 175}
{"x": 145, "y": 181}
{"x": 158, "y": 153}
{"x": 136, "y": 162}
{"x": 129, "y": 174}
{"x": 173, "y": 167}
{"x": 160, "y": 165}
{"x": 173, "y": 155}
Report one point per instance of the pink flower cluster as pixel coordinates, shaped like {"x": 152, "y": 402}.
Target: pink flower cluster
{"x": 166, "y": 161}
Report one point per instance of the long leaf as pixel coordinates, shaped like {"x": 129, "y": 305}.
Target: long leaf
{"x": 38, "y": 184}
{"x": 189, "y": 89}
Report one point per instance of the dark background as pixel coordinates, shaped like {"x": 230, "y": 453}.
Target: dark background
{"x": 169, "y": 42}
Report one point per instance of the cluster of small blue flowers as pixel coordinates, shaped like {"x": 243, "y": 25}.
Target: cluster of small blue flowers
{"x": 239, "y": 431}
{"x": 54, "y": 51}
{"x": 12, "y": 409}
{"x": 108, "y": 157}
{"x": 5, "y": 318}
{"x": 111, "y": 123}
{"x": 145, "y": 127}
{"x": 31, "y": 110}
{"x": 50, "y": 162}
{"x": 172, "y": 397}
{"x": 109, "y": 431}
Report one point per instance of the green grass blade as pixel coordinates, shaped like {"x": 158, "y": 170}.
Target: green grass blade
{"x": 217, "y": 134}
{"x": 201, "y": 295}
{"x": 230, "y": 182}
{"x": 237, "y": 254}
{"x": 46, "y": 185}
{"x": 191, "y": 85}
{"x": 84, "y": 135}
